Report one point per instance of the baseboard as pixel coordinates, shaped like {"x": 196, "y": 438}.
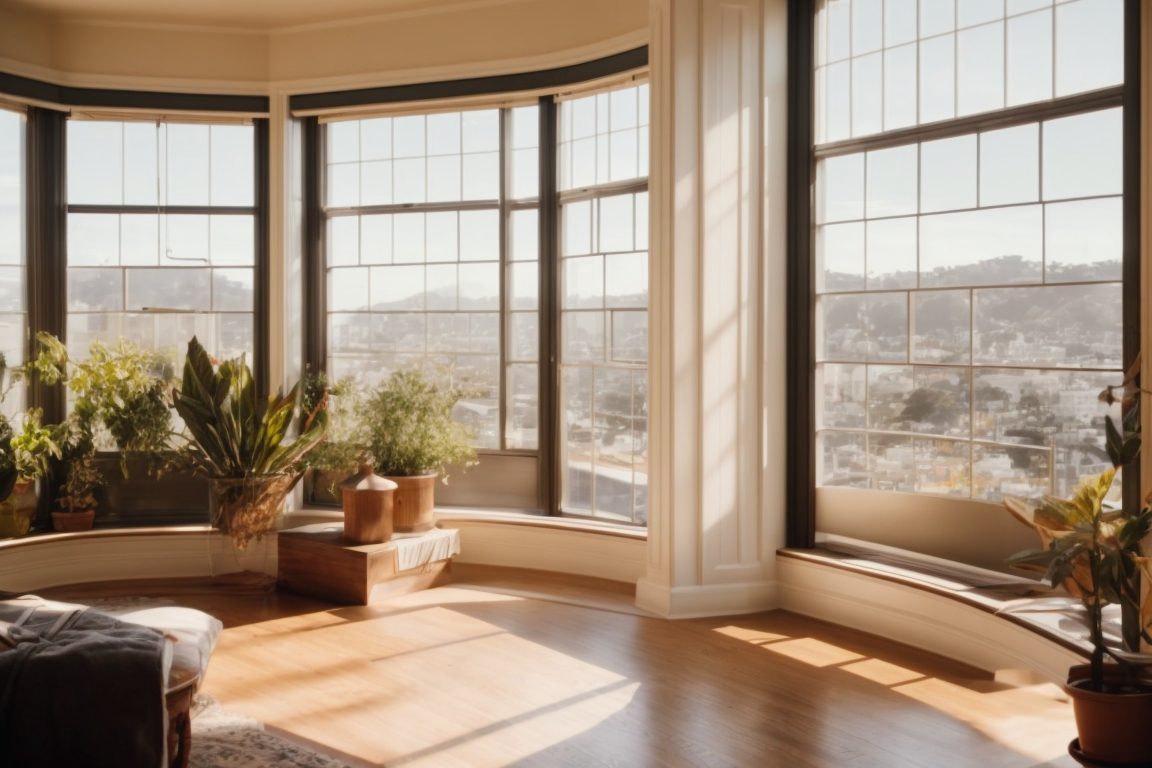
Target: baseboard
{"x": 707, "y": 600}
{"x": 550, "y": 548}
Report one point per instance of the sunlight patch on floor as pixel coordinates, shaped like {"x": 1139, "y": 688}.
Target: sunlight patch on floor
{"x": 392, "y": 671}
{"x": 1032, "y": 720}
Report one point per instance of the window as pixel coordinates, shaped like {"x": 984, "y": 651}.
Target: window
{"x": 423, "y": 229}
{"x": 437, "y": 253}
{"x": 604, "y": 304}
{"x": 162, "y": 228}
{"x": 13, "y": 314}
{"x": 968, "y": 273}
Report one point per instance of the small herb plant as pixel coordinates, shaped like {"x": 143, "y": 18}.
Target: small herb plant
{"x": 345, "y": 444}
{"x": 410, "y": 429}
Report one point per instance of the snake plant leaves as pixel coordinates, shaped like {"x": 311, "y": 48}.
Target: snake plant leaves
{"x": 234, "y": 433}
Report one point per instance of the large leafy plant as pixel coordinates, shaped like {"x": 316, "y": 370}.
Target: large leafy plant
{"x": 1095, "y": 550}
{"x": 232, "y": 432}
{"x": 122, "y": 387}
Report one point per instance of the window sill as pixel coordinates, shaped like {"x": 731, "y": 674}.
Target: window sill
{"x": 456, "y": 515}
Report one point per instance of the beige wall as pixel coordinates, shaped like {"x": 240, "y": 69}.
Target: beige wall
{"x": 24, "y": 39}
{"x": 460, "y": 41}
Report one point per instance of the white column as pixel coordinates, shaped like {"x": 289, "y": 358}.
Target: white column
{"x": 716, "y": 305}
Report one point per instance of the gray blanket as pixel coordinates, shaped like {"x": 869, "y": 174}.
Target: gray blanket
{"x": 78, "y": 688}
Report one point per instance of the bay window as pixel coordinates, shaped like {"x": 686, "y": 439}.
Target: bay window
{"x": 502, "y": 249}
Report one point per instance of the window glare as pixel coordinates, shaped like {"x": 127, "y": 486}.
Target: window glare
{"x": 968, "y": 287}
{"x": 13, "y": 184}
{"x": 433, "y": 252}
{"x": 885, "y": 64}
{"x": 152, "y": 278}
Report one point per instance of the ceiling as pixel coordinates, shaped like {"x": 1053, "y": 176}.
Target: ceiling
{"x": 254, "y": 15}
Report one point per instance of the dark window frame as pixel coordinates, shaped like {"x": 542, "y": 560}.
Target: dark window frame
{"x": 46, "y": 210}
{"x": 801, "y": 523}
{"x": 548, "y": 486}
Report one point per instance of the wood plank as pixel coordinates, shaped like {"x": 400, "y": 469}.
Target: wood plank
{"x": 513, "y": 674}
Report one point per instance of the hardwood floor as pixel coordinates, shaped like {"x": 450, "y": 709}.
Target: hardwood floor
{"x": 501, "y": 669}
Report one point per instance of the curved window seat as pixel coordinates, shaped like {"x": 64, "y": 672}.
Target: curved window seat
{"x": 992, "y": 620}
{"x": 585, "y": 548}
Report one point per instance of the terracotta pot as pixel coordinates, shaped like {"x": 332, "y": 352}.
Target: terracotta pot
{"x": 17, "y": 511}
{"x": 414, "y": 503}
{"x": 67, "y": 522}
{"x": 1113, "y": 727}
{"x": 367, "y": 501}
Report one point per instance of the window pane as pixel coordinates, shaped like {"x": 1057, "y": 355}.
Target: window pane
{"x": 1029, "y": 57}
{"x": 900, "y": 105}
{"x": 232, "y": 165}
{"x": 842, "y": 390}
{"x": 842, "y": 459}
{"x": 1066, "y": 326}
{"x": 1089, "y": 52}
{"x": 616, "y": 229}
{"x": 150, "y": 289}
{"x": 840, "y": 189}
{"x": 94, "y": 239}
{"x": 1083, "y": 155}
{"x": 899, "y": 22}
{"x": 584, "y": 282}
{"x": 188, "y": 164}
{"x": 626, "y": 280}
{"x": 840, "y": 256}
{"x": 971, "y": 12}
{"x": 937, "y": 78}
{"x": 95, "y": 289}
{"x": 525, "y": 235}
{"x": 1010, "y": 165}
{"x": 232, "y": 290}
{"x": 479, "y": 236}
{"x": 523, "y": 406}
{"x": 867, "y": 94}
{"x": 979, "y": 68}
{"x": 1084, "y": 240}
{"x": 994, "y": 246}
{"x": 891, "y": 253}
{"x": 937, "y": 16}
{"x": 892, "y": 175}
{"x": 95, "y": 162}
{"x": 525, "y": 285}
{"x": 948, "y": 174}
{"x": 629, "y": 336}
{"x": 941, "y": 322}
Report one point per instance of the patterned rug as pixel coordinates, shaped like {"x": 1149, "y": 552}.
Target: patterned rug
{"x": 223, "y": 739}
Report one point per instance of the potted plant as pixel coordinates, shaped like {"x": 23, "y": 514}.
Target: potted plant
{"x": 413, "y": 438}
{"x": 24, "y": 459}
{"x": 122, "y": 394}
{"x": 1095, "y": 551}
{"x": 122, "y": 388}
{"x": 240, "y": 442}
{"x": 339, "y": 454}
{"x": 79, "y": 475}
